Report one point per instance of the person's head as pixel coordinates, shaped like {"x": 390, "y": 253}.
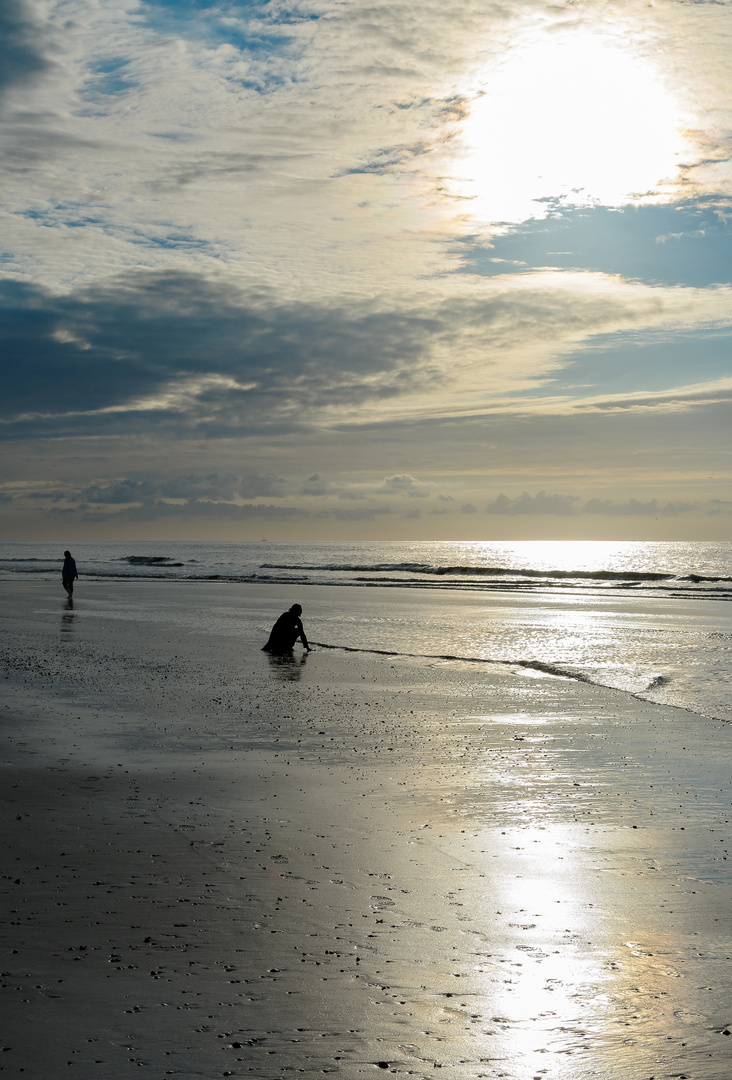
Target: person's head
{"x": 67, "y": 554}
{"x": 296, "y": 609}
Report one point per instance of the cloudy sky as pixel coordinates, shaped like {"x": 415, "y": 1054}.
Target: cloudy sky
{"x": 340, "y": 268}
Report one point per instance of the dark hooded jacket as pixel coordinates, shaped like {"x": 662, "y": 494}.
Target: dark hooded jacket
{"x": 285, "y": 633}
{"x": 68, "y": 570}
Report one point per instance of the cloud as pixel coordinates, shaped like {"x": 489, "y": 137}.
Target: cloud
{"x": 158, "y": 510}
{"x": 20, "y": 59}
{"x": 366, "y": 513}
{"x": 113, "y": 161}
{"x": 225, "y": 497}
{"x": 316, "y": 485}
{"x": 180, "y": 348}
{"x": 242, "y": 237}
{"x": 201, "y": 136}
{"x": 404, "y": 484}
{"x": 122, "y": 492}
{"x": 566, "y": 505}
{"x": 192, "y": 488}
{"x": 541, "y": 503}
{"x": 181, "y": 352}
{"x": 677, "y": 399}
{"x": 635, "y": 508}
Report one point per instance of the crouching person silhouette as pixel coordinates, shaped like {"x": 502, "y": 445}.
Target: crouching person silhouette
{"x": 286, "y": 631}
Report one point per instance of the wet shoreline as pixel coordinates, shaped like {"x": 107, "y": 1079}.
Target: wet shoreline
{"x": 221, "y": 864}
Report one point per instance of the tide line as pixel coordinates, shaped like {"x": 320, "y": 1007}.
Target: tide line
{"x": 532, "y": 665}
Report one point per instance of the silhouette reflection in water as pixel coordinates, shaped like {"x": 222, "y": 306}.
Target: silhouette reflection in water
{"x": 286, "y": 666}
{"x": 67, "y": 617}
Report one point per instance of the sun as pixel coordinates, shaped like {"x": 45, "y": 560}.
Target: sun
{"x": 575, "y": 117}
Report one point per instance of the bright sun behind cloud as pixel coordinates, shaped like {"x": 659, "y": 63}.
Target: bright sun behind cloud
{"x": 574, "y": 117}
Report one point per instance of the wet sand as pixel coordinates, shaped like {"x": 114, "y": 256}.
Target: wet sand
{"x": 220, "y": 864}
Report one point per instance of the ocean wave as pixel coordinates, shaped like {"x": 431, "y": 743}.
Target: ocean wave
{"x": 657, "y": 683}
{"x": 560, "y": 575}
{"x": 483, "y": 571}
{"x": 46, "y": 569}
{"x": 150, "y": 560}
{"x": 351, "y": 568}
{"x": 696, "y": 578}
{"x": 150, "y": 575}
{"x": 490, "y": 580}
{"x": 31, "y": 559}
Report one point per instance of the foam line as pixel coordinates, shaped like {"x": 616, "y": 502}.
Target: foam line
{"x": 531, "y": 665}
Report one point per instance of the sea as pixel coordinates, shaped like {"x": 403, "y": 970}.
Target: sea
{"x": 653, "y": 619}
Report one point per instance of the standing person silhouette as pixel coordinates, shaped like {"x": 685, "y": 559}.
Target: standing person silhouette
{"x": 69, "y": 574}
{"x": 286, "y": 631}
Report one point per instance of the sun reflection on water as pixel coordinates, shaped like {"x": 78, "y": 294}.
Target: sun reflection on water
{"x": 568, "y": 555}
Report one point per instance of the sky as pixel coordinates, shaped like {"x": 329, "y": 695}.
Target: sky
{"x": 340, "y": 269}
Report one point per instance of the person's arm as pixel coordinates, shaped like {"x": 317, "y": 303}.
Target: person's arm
{"x": 302, "y": 635}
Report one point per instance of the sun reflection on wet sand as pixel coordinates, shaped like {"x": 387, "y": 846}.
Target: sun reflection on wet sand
{"x": 561, "y": 991}
{"x": 588, "y": 962}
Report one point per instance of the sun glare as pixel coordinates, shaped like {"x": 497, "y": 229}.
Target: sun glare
{"x": 573, "y": 117}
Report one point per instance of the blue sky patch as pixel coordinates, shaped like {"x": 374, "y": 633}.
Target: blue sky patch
{"x": 683, "y": 244}
{"x": 108, "y": 77}
{"x": 629, "y": 363}
{"x": 248, "y": 25}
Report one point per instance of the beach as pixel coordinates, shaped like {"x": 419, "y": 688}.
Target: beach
{"x": 224, "y": 864}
